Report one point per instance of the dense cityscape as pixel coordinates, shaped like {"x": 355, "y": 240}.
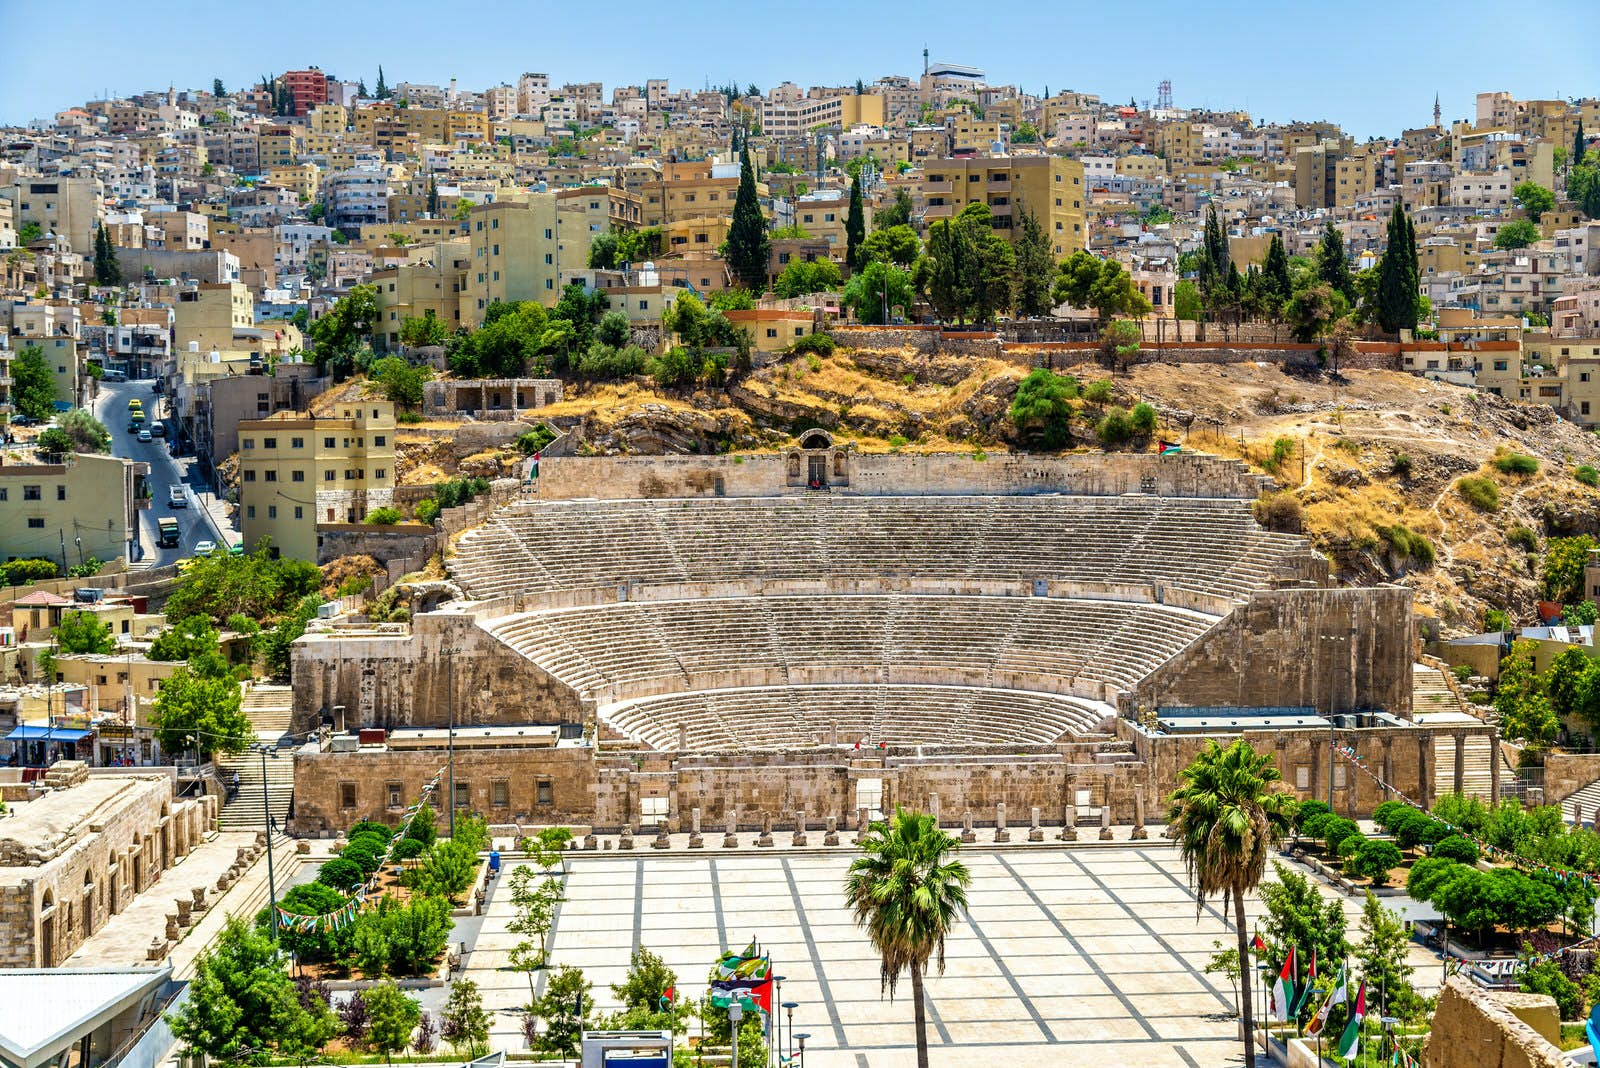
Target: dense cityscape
{"x": 916, "y": 571}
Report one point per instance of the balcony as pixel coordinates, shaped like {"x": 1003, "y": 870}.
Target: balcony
{"x": 935, "y": 188}
{"x": 1001, "y": 186}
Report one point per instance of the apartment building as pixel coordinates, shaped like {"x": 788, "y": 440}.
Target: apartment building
{"x": 223, "y": 402}
{"x": 1048, "y": 186}
{"x": 86, "y": 505}
{"x": 357, "y": 197}
{"x": 308, "y": 89}
{"x": 297, "y": 470}
{"x": 515, "y": 253}
{"x": 437, "y": 284}
{"x": 69, "y": 207}
{"x": 211, "y": 314}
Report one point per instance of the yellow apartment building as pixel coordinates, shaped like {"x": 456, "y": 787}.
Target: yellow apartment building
{"x": 210, "y": 314}
{"x": 515, "y": 253}
{"x": 412, "y": 290}
{"x": 1048, "y": 186}
{"x": 88, "y": 503}
{"x": 296, "y": 471}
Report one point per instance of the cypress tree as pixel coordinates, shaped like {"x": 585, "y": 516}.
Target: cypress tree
{"x": 747, "y": 233}
{"x": 382, "y": 92}
{"x": 1215, "y": 260}
{"x": 855, "y": 223}
{"x": 1577, "y": 145}
{"x": 107, "y": 271}
{"x": 1036, "y": 268}
{"x": 1275, "y": 282}
{"x": 433, "y": 198}
{"x": 1332, "y": 266}
{"x": 1398, "y": 276}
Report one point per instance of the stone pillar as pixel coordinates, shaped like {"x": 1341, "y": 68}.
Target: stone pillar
{"x": 1069, "y": 819}
{"x": 1105, "y": 816}
{"x": 1494, "y": 769}
{"x": 765, "y": 841}
{"x": 1000, "y": 832}
{"x": 1425, "y": 769}
{"x": 799, "y": 828}
{"x": 1577, "y": 814}
{"x": 626, "y": 841}
{"x": 683, "y": 737}
{"x": 1460, "y": 778}
{"x": 830, "y": 835}
{"x": 184, "y": 905}
{"x": 730, "y": 838}
{"x": 862, "y": 823}
{"x": 967, "y": 835}
{"x": 1319, "y": 771}
{"x": 933, "y": 808}
{"x": 1035, "y": 832}
{"x": 661, "y": 840}
{"x": 695, "y": 841}
{"x": 1139, "y": 832}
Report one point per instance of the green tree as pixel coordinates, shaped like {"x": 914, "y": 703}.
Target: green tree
{"x": 1382, "y": 952}
{"x": 949, "y": 278}
{"x": 800, "y": 278}
{"x": 535, "y": 897}
{"x": 855, "y": 223}
{"x": 107, "y": 271}
{"x": 896, "y": 214}
{"x": 84, "y": 432}
{"x": 1186, "y": 301}
{"x": 1518, "y": 233}
{"x": 747, "y": 232}
{"x": 446, "y": 870}
{"x": 1026, "y": 134}
{"x": 419, "y": 331}
{"x": 1333, "y": 268}
{"x": 1375, "y": 859}
{"x": 1568, "y": 679}
{"x": 320, "y": 945}
{"x": 1225, "y": 815}
{"x": 382, "y": 92}
{"x": 1215, "y": 262}
{"x": 242, "y": 1002}
{"x": 463, "y": 1023}
{"x": 392, "y": 1015}
{"x": 1298, "y": 915}
{"x": 1312, "y": 312}
{"x": 1579, "y": 146}
{"x": 82, "y": 632}
{"x": 1398, "y": 276}
{"x": 339, "y": 334}
{"x": 1535, "y": 199}
{"x": 1276, "y": 287}
{"x": 274, "y": 644}
{"x": 1523, "y": 707}
{"x": 400, "y": 381}
{"x": 1547, "y": 977}
{"x": 33, "y": 383}
{"x": 1036, "y": 268}
{"x": 433, "y": 198}
{"x": 1087, "y": 281}
{"x": 878, "y": 288}
{"x": 1043, "y": 407}
{"x": 907, "y": 889}
{"x": 894, "y": 244}
{"x": 1561, "y": 576}
{"x": 200, "y": 713}
{"x": 512, "y": 337}
{"x": 564, "y": 1008}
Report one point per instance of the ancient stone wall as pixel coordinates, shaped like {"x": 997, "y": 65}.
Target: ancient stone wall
{"x": 1276, "y": 651}
{"x": 54, "y": 898}
{"x": 516, "y": 776}
{"x": 956, "y": 474}
{"x": 1567, "y": 773}
{"x": 382, "y": 543}
{"x": 414, "y": 677}
{"x": 1473, "y": 1026}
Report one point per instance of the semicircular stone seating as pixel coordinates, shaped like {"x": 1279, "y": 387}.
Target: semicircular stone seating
{"x": 743, "y": 670}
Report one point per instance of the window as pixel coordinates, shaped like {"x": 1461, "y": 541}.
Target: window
{"x": 380, "y": 473}
{"x": 36, "y": 523}
{"x": 297, "y": 476}
{"x": 297, "y": 443}
{"x": 396, "y": 794}
{"x": 463, "y": 795}
{"x": 272, "y": 511}
{"x": 1338, "y": 777}
{"x": 299, "y": 512}
{"x": 327, "y": 443}
{"x": 1302, "y": 776}
{"x": 347, "y": 795}
{"x": 327, "y": 476}
{"x": 250, "y": 511}
{"x": 248, "y": 443}
{"x": 544, "y": 793}
{"x": 772, "y": 332}
{"x": 250, "y": 475}
{"x": 61, "y": 492}
{"x": 269, "y": 476}
{"x": 269, "y": 443}
{"x": 378, "y": 441}
{"x": 652, "y": 810}
{"x": 500, "y": 793}
{"x": 31, "y": 493}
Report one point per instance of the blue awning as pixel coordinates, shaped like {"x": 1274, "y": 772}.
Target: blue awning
{"x": 29, "y": 732}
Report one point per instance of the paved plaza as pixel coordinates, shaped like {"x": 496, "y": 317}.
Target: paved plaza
{"x": 1071, "y": 956}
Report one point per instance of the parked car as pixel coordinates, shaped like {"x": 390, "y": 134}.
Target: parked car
{"x": 159, "y": 429}
{"x": 178, "y": 497}
{"x": 115, "y": 376}
{"x": 144, "y": 435}
{"x": 205, "y": 548}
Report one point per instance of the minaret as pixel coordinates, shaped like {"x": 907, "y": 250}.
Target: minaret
{"x": 1436, "y": 111}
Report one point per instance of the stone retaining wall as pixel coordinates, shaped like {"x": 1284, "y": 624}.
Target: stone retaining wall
{"x": 1473, "y": 1026}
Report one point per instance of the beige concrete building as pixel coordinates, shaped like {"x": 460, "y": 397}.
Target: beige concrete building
{"x": 88, "y": 504}
{"x": 211, "y": 314}
{"x": 1048, "y": 186}
{"x": 515, "y": 253}
{"x": 296, "y": 471}
{"x": 67, "y": 207}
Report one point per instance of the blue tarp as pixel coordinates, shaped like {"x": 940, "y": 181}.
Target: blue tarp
{"x": 27, "y": 732}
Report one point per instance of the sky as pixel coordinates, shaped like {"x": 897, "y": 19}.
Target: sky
{"x": 1373, "y": 66}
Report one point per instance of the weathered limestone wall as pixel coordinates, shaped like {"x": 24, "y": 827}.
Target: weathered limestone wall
{"x": 956, "y": 474}
{"x": 1567, "y": 773}
{"x": 397, "y": 679}
{"x": 50, "y": 904}
{"x": 1272, "y": 652}
{"x": 321, "y": 778}
{"x": 1480, "y": 1027}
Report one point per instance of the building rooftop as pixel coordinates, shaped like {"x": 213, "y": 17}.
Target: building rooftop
{"x": 45, "y": 1011}
{"x": 44, "y": 828}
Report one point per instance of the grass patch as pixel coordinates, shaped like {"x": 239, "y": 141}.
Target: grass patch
{"x": 1516, "y": 463}
{"x": 1523, "y": 538}
{"x": 1587, "y": 474}
{"x": 1409, "y": 545}
{"x": 1481, "y": 493}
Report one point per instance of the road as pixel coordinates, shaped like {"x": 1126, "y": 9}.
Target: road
{"x": 196, "y": 522}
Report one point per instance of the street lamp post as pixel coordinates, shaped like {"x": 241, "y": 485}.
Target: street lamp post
{"x": 735, "y": 1015}
{"x": 266, "y": 815}
{"x": 788, "y": 1054}
{"x": 775, "y": 1023}
{"x": 450, "y": 703}
{"x": 801, "y": 1038}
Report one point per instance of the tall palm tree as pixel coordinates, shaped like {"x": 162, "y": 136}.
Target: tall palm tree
{"x": 907, "y": 890}
{"x": 1225, "y": 815}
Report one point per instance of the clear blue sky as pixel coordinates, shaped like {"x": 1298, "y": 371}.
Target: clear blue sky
{"x": 1371, "y": 65}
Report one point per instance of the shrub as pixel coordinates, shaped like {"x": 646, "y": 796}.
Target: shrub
{"x": 1114, "y": 428}
{"x": 1143, "y": 419}
{"x": 1098, "y": 391}
{"x": 428, "y": 509}
{"x": 1462, "y": 672}
{"x": 1280, "y": 512}
{"x": 363, "y": 858}
{"x": 1350, "y": 844}
{"x": 31, "y": 570}
{"x": 421, "y": 827}
{"x": 1305, "y": 810}
{"x": 1282, "y": 449}
{"x": 407, "y": 849}
{"x": 1408, "y": 544}
{"x": 458, "y": 491}
{"x": 820, "y": 344}
{"x": 898, "y": 441}
{"x": 1549, "y": 978}
{"x": 603, "y": 362}
{"x": 370, "y": 842}
{"x": 1375, "y": 859}
{"x": 1418, "y": 828}
{"x": 341, "y": 873}
{"x": 1313, "y": 825}
{"x": 1400, "y": 466}
{"x": 1516, "y": 463}
{"x": 1336, "y": 831}
{"x": 1481, "y": 493}
{"x": 361, "y": 827}
{"x": 1496, "y": 619}
{"x": 1523, "y": 538}
{"x": 384, "y": 517}
{"x": 1587, "y": 474}
{"x": 1454, "y": 847}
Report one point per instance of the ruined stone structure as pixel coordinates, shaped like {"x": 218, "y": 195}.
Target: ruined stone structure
{"x": 1473, "y": 1026}
{"x": 932, "y": 630}
{"x": 76, "y": 855}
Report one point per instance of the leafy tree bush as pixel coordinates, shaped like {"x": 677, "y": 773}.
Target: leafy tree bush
{"x": 30, "y": 570}
{"x": 1518, "y": 233}
{"x": 254, "y": 584}
{"x": 1522, "y": 538}
{"x": 565, "y": 1007}
{"x": 422, "y": 828}
{"x": 1280, "y": 511}
{"x": 189, "y": 639}
{"x": 1407, "y": 544}
{"x": 1114, "y": 428}
{"x": 800, "y": 278}
{"x": 1042, "y": 407}
{"x": 609, "y": 364}
{"x": 407, "y": 849}
{"x": 393, "y": 1016}
{"x": 820, "y": 344}
{"x": 310, "y": 899}
{"x": 1337, "y": 830}
{"x": 1548, "y": 978}
{"x": 200, "y": 712}
{"x": 1401, "y": 465}
{"x": 458, "y": 491}
{"x": 878, "y": 288}
{"x": 400, "y": 381}
{"x": 1516, "y": 463}
{"x": 1561, "y": 577}
{"x": 1456, "y": 848}
{"x": 1385, "y": 813}
{"x": 1098, "y": 391}
{"x": 446, "y": 870}
{"x": 341, "y": 873}
{"x": 1143, "y": 419}
{"x": 33, "y": 383}
{"x": 1375, "y": 859}
{"x": 383, "y": 517}
{"x": 1481, "y": 493}
{"x": 1308, "y": 809}
{"x": 362, "y": 857}
{"x": 463, "y": 1023}
{"x": 82, "y": 632}
{"x": 1587, "y": 474}
{"x": 534, "y": 440}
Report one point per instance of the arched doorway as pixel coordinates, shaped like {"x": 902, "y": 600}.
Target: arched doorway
{"x": 47, "y": 930}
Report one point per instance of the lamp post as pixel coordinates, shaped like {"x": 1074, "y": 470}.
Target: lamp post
{"x": 788, "y": 1054}
{"x": 775, "y": 1023}
{"x": 450, "y": 704}
{"x": 266, "y": 816}
{"x": 735, "y": 1015}
{"x": 801, "y": 1038}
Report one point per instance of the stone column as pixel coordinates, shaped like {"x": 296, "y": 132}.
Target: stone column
{"x": 1319, "y": 771}
{"x": 799, "y": 828}
{"x": 661, "y": 839}
{"x": 933, "y": 808}
{"x": 683, "y": 737}
{"x": 695, "y": 841}
{"x": 1460, "y": 779}
{"x": 862, "y": 823}
{"x": 967, "y": 835}
{"x": 1139, "y": 832}
{"x": 1105, "y": 816}
{"x": 1577, "y": 814}
{"x": 765, "y": 841}
{"x": 730, "y": 838}
{"x": 830, "y": 834}
{"x": 626, "y": 841}
{"x": 1425, "y": 769}
{"x": 1000, "y": 832}
{"x": 1035, "y": 832}
{"x": 1494, "y": 769}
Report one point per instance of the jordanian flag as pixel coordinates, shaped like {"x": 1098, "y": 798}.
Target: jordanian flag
{"x": 1337, "y": 996}
{"x": 1283, "y": 990}
{"x": 1311, "y": 978}
{"x": 1352, "y": 1031}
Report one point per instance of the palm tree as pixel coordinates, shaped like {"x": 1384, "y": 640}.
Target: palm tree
{"x": 907, "y": 890}
{"x": 1225, "y": 815}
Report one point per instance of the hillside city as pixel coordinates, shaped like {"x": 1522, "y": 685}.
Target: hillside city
{"x": 909, "y": 572}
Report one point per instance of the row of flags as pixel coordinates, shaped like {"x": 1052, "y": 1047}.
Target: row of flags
{"x": 744, "y": 979}
{"x": 1286, "y": 1002}
{"x": 346, "y": 913}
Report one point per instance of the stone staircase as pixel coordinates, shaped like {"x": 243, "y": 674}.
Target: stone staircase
{"x": 270, "y": 710}
{"x": 1432, "y": 692}
{"x": 1477, "y": 780}
{"x": 1588, "y": 798}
